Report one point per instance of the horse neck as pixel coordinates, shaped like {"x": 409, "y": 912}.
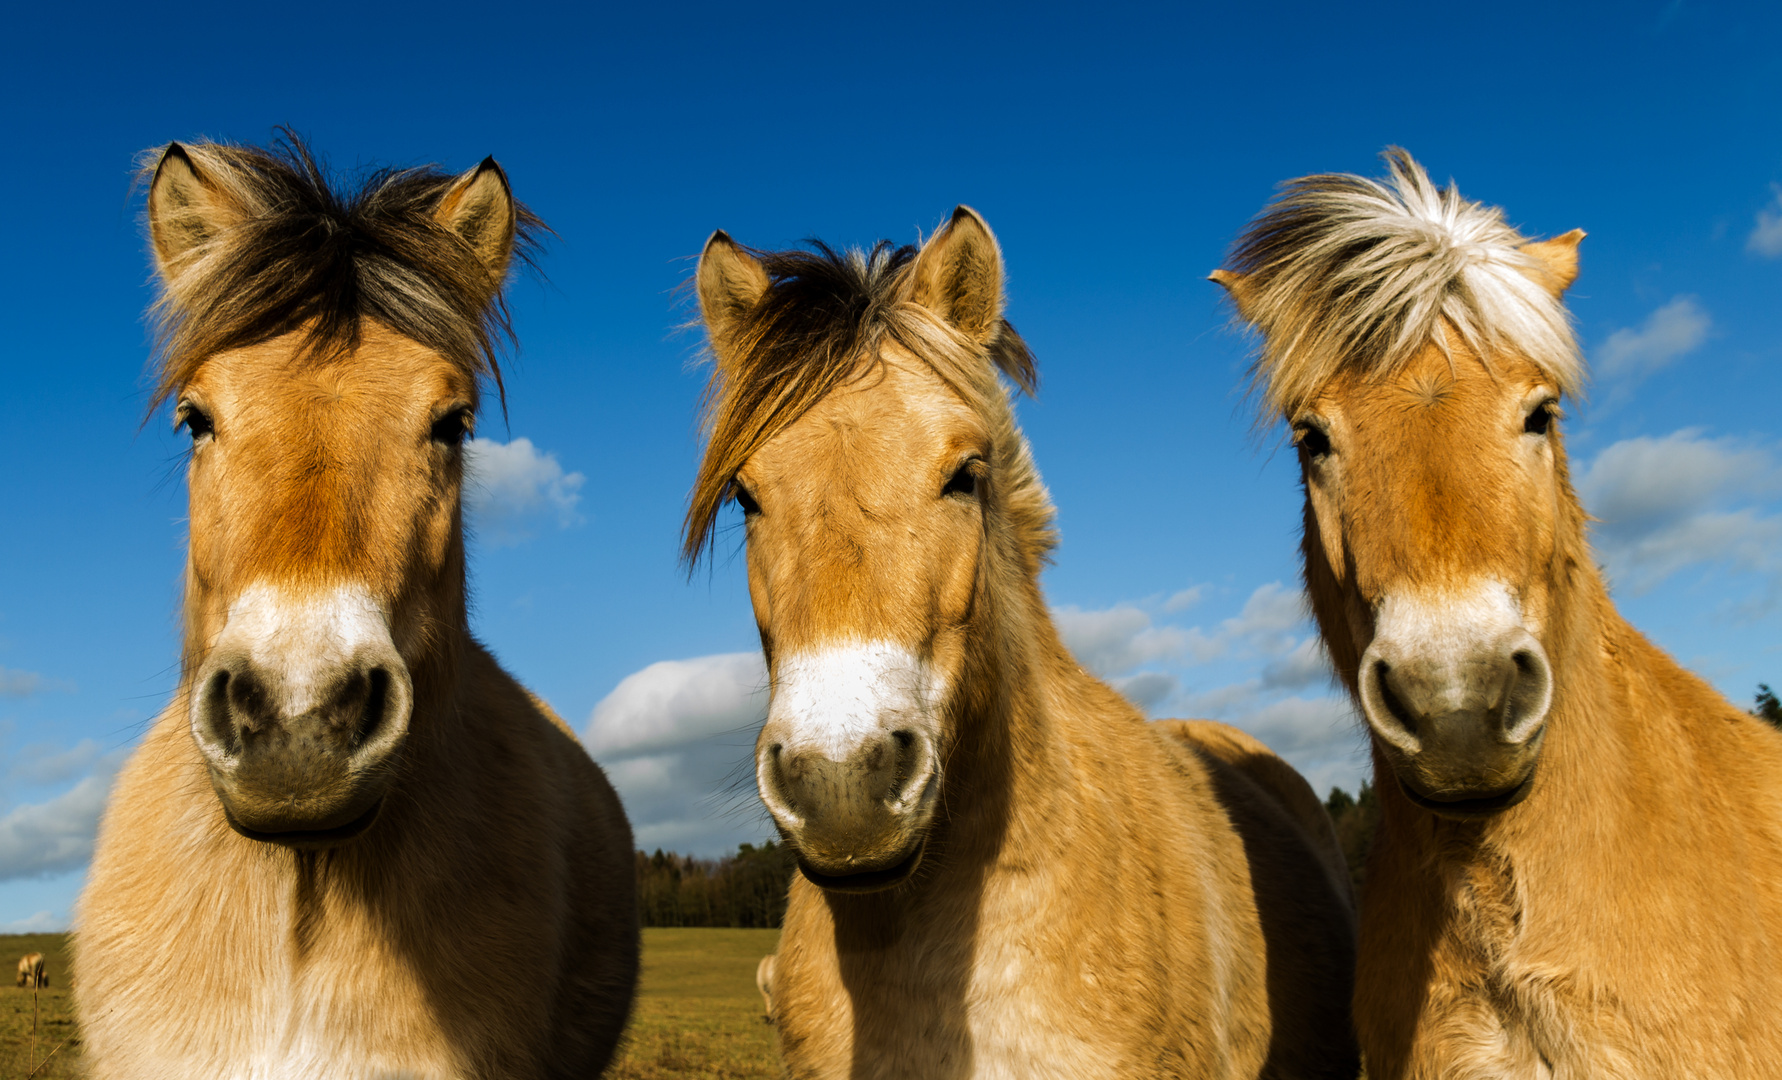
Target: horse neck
{"x": 1005, "y": 782}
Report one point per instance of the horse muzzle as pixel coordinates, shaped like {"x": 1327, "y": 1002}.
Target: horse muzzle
{"x": 1461, "y": 716}
{"x": 858, "y": 824}
{"x": 299, "y": 716}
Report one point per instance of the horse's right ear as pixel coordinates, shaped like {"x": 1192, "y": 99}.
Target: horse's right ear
{"x": 185, "y": 211}
{"x": 1237, "y": 286}
{"x": 1558, "y": 259}
{"x": 730, "y": 282}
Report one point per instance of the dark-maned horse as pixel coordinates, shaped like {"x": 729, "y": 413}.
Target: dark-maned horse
{"x": 348, "y": 805}
{"x": 1004, "y": 870}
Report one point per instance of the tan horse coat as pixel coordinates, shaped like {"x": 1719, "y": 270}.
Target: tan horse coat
{"x": 1623, "y": 919}
{"x": 1092, "y": 895}
{"x": 231, "y": 925}
{"x": 32, "y": 974}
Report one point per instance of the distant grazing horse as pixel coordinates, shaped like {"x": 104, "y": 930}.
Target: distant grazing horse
{"x": 1579, "y": 866}
{"x": 348, "y": 805}
{"x": 764, "y": 983}
{"x": 33, "y": 975}
{"x": 1004, "y": 870}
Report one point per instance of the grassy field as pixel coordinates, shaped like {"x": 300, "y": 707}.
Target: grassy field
{"x": 697, "y": 1012}
{"x": 55, "y": 1014}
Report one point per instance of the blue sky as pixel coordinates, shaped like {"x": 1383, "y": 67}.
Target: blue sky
{"x": 1114, "y": 149}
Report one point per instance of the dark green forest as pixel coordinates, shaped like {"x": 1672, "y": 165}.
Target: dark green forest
{"x": 747, "y": 889}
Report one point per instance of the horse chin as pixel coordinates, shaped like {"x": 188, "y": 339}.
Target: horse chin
{"x": 1469, "y": 805}
{"x": 306, "y": 833}
{"x": 865, "y": 881}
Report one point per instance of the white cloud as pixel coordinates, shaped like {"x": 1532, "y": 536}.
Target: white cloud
{"x": 674, "y": 701}
{"x": 1670, "y": 502}
{"x": 509, "y": 485}
{"x": 1766, "y": 238}
{"x": 677, "y": 740}
{"x": 1673, "y": 330}
{"x": 22, "y": 684}
{"x": 43, "y": 838}
{"x": 1185, "y": 599}
{"x": 1154, "y": 664}
{"x": 1305, "y": 666}
{"x": 41, "y": 764}
{"x": 1118, "y": 639}
{"x": 41, "y": 923}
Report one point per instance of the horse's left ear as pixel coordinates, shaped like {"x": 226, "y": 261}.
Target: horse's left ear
{"x": 1236, "y": 286}
{"x": 1558, "y": 259}
{"x": 958, "y": 276}
{"x": 479, "y": 207}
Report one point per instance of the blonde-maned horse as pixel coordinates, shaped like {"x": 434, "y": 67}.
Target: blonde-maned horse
{"x": 348, "y": 806}
{"x": 1579, "y": 865}
{"x": 1005, "y": 871}
{"x": 33, "y": 975}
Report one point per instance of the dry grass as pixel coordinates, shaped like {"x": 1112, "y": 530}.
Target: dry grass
{"x": 698, "y": 1013}
{"x": 53, "y": 1011}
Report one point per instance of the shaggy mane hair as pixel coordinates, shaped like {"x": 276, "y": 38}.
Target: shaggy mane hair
{"x": 306, "y": 255}
{"x": 820, "y": 323}
{"x": 1346, "y": 272}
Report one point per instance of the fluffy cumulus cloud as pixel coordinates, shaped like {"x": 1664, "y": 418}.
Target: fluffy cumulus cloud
{"x": 1674, "y": 330}
{"x": 512, "y": 486}
{"x": 1262, "y": 669}
{"x": 677, "y": 739}
{"x": 1665, "y": 503}
{"x": 1766, "y": 238}
{"x": 56, "y": 834}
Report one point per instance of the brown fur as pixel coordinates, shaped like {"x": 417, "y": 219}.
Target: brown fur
{"x": 33, "y": 975}
{"x": 1624, "y": 919}
{"x": 203, "y": 952}
{"x": 1098, "y": 896}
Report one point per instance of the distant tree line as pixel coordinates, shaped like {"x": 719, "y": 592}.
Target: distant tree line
{"x": 1768, "y": 708}
{"x": 746, "y": 889}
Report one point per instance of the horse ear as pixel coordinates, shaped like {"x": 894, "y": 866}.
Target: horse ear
{"x": 1237, "y": 286}
{"x": 185, "y": 211}
{"x": 479, "y": 207}
{"x": 958, "y": 276}
{"x": 1558, "y": 260}
{"x": 730, "y": 283}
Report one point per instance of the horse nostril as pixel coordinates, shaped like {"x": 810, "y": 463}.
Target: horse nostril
{"x": 1404, "y": 716}
{"x": 377, "y": 696}
{"x": 216, "y": 713}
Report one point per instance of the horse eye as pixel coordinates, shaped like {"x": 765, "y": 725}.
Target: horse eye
{"x": 1538, "y": 421}
{"x": 195, "y": 420}
{"x": 744, "y": 500}
{"x": 451, "y": 428}
{"x": 964, "y": 481}
{"x": 1313, "y": 440}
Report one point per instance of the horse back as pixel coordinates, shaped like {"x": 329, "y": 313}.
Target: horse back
{"x": 1301, "y": 890}
{"x": 1248, "y": 754}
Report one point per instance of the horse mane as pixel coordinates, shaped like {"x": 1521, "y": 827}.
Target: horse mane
{"x": 307, "y": 255}
{"x": 1344, "y": 272}
{"x": 820, "y": 323}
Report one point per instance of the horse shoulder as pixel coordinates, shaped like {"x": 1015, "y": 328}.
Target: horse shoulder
{"x": 1279, "y": 780}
